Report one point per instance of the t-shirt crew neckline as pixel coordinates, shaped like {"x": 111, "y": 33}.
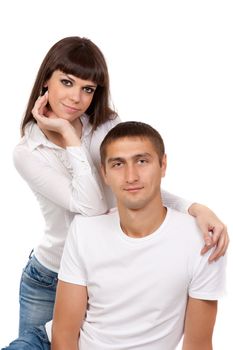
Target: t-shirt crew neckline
{"x": 141, "y": 240}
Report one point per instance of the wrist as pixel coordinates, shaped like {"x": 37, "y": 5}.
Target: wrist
{"x": 195, "y": 209}
{"x": 71, "y": 138}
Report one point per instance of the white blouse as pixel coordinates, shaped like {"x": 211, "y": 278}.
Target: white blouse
{"x": 68, "y": 182}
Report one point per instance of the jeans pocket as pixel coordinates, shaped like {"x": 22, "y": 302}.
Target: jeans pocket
{"x": 36, "y": 276}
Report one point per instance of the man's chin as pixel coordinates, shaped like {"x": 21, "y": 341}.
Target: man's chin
{"x": 135, "y": 205}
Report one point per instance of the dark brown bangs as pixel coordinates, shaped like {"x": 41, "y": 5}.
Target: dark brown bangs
{"x": 82, "y": 65}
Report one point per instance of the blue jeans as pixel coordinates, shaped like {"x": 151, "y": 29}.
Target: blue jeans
{"x": 37, "y": 295}
{"x": 34, "y": 338}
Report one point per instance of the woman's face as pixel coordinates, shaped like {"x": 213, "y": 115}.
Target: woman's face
{"x": 69, "y": 97}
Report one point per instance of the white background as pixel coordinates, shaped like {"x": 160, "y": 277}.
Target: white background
{"x": 170, "y": 64}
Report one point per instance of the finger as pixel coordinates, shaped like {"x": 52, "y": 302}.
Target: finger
{"x": 220, "y": 249}
{"x": 50, "y": 114}
{"x": 208, "y": 239}
{"x": 225, "y": 246}
{"x": 218, "y": 231}
{"x": 43, "y": 100}
{"x": 206, "y": 248}
{"x": 39, "y": 105}
{"x": 208, "y": 242}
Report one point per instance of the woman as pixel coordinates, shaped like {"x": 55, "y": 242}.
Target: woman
{"x": 58, "y": 157}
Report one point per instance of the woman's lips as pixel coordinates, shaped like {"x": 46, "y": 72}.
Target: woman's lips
{"x": 70, "y": 109}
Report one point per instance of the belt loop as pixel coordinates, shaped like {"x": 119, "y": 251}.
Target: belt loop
{"x": 30, "y": 255}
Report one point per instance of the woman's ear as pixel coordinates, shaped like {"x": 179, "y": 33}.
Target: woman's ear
{"x": 43, "y": 90}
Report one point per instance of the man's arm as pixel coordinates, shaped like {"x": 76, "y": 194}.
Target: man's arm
{"x": 69, "y": 312}
{"x": 199, "y": 324}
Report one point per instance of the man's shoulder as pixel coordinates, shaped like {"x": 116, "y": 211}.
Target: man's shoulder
{"x": 184, "y": 225}
{"x": 181, "y": 217}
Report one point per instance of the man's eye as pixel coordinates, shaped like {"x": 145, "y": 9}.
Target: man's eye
{"x": 142, "y": 161}
{"x": 66, "y": 82}
{"x": 116, "y": 165}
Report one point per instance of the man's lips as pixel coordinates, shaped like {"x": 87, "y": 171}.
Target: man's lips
{"x": 133, "y": 189}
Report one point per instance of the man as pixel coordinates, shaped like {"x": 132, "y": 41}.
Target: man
{"x": 134, "y": 278}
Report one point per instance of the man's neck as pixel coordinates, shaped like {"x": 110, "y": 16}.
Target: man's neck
{"x": 142, "y": 222}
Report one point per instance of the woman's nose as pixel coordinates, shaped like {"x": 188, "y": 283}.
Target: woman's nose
{"x": 76, "y": 95}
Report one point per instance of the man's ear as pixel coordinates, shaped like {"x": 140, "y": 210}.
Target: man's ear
{"x": 103, "y": 172}
{"x": 164, "y": 165}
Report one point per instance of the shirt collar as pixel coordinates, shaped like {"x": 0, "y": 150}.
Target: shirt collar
{"x": 87, "y": 127}
{"x": 35, "y": 137}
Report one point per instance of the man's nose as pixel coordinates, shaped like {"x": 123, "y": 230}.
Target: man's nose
{"x": 131, "y": 174}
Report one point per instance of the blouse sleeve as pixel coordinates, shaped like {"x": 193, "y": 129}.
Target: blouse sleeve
{"x": 78, "y": 191}
{"x": 174, "y": 202}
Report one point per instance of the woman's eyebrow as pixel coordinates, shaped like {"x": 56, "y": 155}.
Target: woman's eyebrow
{"x": 73, "y": 80}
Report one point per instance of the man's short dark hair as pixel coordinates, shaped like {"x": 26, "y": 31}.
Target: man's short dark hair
{"x": 133, "y": 129}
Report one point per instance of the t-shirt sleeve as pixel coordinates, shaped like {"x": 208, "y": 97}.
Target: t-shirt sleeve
{"x": 208, "y": 280}
{"x": 72, "y": 266}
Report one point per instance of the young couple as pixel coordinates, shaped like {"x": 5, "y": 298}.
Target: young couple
{"x": 58, "y": 157}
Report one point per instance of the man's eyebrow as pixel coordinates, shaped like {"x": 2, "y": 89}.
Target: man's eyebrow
{"x": 140, "y": 155}
{"x": 135, "y": 156}
{"x": 115, "y": 159}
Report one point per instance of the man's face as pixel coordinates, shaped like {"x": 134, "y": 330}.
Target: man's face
{"x": 133, "y": 171}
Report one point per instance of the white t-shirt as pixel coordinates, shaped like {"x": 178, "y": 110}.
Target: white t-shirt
{"x": 138, "y": 287}
{"x": 68, "y": 182}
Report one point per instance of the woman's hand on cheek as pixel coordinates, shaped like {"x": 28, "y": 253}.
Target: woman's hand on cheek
{"x": 40, "y": 109}
{"x": 46, "y": 119}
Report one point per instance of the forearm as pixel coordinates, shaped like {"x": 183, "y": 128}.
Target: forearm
{"x": 191, "y": 344}
{"x": 199, "y": 324}
{"x": 70, "y": 138}
{"x": 61, "y": 341}
{"x": 195, "y": 209}
{"x": 69, "y": 312}
{"x": 88, "y": 192}
{"x": 175, "y": 202}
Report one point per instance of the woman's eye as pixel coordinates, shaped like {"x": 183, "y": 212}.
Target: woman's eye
{"x": 66, "y": 82}
{"x": 89, "y": 90}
